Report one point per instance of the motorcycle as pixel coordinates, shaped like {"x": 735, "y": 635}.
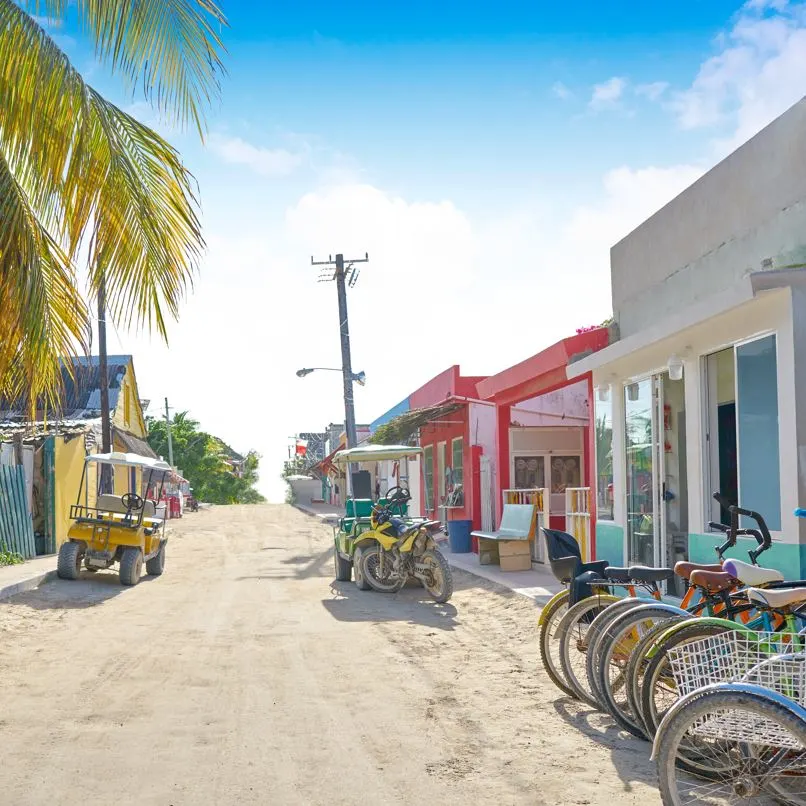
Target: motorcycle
{"x": 394, "y": 551}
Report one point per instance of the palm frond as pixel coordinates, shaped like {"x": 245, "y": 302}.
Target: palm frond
{"x": 168, "y": 49}
{"x": 96, "y": 178}
{"x": 43, "y": 315}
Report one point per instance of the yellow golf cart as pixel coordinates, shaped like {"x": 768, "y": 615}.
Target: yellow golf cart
{"x": 109, "y": 528}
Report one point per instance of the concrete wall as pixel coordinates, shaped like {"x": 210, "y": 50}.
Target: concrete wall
{"x": 749, "y": 208}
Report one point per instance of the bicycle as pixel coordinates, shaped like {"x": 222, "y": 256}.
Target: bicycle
{"x": 740, "y": 724}
{"x": 657, "y": 686}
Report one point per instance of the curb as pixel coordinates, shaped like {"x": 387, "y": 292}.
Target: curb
{"x": 26, "y": 584}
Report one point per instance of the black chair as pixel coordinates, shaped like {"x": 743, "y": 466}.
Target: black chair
{"x": 565, "y": 559}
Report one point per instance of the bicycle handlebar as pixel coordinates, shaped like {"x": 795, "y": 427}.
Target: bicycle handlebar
{"x": 761, "y": 535}
{"x": 766, "y": 537}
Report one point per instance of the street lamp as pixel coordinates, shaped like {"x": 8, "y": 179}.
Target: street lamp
{"x": 358, "y": 377}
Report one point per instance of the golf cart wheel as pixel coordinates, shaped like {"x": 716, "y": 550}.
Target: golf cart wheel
{"x": 358, "y": 571}
{"x": 69, "y": 563}
{"x": 156, "y": 565}
{"x": 343, "y": 568}
{"x": 131, "y": 566}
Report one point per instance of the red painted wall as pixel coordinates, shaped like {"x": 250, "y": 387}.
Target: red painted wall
{"x": 434, "y": 433}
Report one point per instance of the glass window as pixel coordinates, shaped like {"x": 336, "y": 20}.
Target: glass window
{"x": 742, "y": 429}
{"x": 604, "y": 458}
{"x": 530, "y": 473}
{"x": 441, "y": 471}
{"x": 757, "y": 429}
{"x": 428, "y": 476}
{"x": 457, "y": 458}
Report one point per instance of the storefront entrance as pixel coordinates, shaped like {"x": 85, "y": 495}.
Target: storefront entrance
{"x": 657, "y": 493}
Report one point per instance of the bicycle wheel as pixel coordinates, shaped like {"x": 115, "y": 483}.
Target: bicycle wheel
{"x": 620, "y": 639}
{"x": 658, "y": 690}
{"x": 571, "y": 633}
{"x": 549, "y": 645}
{"x": 595, "y": 632}
{"x": 754, "y": 746}
{"x": 637, "y": 666}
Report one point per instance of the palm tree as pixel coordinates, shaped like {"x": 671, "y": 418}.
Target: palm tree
{"x": 80, "y": 177}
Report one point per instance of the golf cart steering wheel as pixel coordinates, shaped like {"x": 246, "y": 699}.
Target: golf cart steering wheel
{"x": 132, "y": 502}
{"x": 398, "y": 497}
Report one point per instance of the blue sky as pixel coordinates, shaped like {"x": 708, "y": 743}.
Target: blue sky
{"x": 487, "y": 156}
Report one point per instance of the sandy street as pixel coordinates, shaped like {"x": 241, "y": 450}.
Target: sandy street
{"x": 245, "y": 675}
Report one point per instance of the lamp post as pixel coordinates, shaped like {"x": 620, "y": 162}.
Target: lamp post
{"x": 349, "y": 409}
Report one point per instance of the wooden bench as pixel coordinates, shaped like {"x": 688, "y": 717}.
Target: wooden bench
{"x": 509, "y": 545}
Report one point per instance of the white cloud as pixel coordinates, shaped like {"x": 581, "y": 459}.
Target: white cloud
{"x": 755, "y": 76}
{"x": 608, "y": 94}
{"x": 653, "y": 90}
{"x": 507, "y": 285}
{"x": 267, "y": 162}
{"x": 559, "y": 90}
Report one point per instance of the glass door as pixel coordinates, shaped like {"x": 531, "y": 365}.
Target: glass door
{"x": 640, "y": 433}
{"x": 672, "y": 489}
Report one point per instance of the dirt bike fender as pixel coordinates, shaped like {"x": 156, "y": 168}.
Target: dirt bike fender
{"x": 367, "y": 538}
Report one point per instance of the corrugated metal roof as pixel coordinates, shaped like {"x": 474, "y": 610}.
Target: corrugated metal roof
{"x": 81, "y": 393}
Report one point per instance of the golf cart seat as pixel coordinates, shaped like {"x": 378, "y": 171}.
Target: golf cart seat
{"x": 357, "y": 510}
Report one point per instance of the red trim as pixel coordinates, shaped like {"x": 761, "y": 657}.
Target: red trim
{"x": 535, "y": 374}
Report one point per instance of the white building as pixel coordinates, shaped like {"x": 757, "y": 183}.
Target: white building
{"x": 704, "y": 390}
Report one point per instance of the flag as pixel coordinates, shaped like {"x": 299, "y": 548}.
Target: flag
{"x": 302, "y": 447}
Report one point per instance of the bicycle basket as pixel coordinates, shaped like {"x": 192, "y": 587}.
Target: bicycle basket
{"x": 775, "y": 661}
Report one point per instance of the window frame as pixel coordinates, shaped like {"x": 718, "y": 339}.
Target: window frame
{"x": 461, "y": 478}
{"x": 428, "y": 476}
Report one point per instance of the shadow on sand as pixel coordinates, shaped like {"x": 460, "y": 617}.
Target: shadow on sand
{"x": 90, "y": 590}
{"x": 630, "y": 755}
{"x": 412, "y": 605}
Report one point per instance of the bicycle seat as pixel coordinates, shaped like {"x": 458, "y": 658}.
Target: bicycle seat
{"x": 777, "y": 597}
{"x": 751, "y": 574}
{"x": 712, "y": 581}
{"x": 643, "y": 573}
{"x": 683, "y": 569}
{"x": 617, "y": 574}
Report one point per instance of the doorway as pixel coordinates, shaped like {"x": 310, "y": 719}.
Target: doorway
{"x": 657, "y": 490}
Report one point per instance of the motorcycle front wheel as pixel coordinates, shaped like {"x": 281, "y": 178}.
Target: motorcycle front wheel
{"x": 438, "y": 578}
{"x": 388, "y": 582}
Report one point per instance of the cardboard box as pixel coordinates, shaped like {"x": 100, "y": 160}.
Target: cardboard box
{"x": 513, "y": 548}
{"x": 520, "y": 562}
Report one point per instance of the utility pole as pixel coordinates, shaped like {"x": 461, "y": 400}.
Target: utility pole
{"x": 168, "y": 429}
{"x": 103, "y": 373}
{"x": 344, "y": 277}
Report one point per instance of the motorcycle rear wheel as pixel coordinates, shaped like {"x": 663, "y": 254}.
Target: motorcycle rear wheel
{"x": 370, "y": 565}
{"x": 441, "y": 588}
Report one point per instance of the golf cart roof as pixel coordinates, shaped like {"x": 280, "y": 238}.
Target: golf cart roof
{"x": 129, "y": 460}
{"x": 375, "y": 453}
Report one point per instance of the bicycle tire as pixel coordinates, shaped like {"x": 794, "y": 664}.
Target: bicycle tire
{"x": 571, "y": 634}
{"x": 551, "y": 616}
{"x": 594, "y": 636}
{"x": 650, "y": 715}
{"x": 709, "y": 705}
{"x": 637, "y": 665}
{"x": 618, "y": 640}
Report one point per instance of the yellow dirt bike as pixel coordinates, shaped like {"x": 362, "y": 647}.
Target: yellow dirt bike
{"x": 394, "y": 551}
